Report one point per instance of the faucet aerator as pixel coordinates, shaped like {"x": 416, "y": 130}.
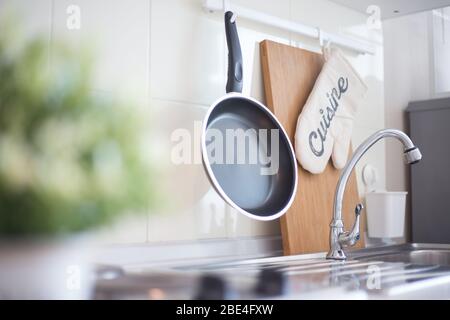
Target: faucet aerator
{"x": 412, "y": 155}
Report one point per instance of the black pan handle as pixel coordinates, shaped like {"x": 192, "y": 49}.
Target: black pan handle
{"x": 234, "y": 83}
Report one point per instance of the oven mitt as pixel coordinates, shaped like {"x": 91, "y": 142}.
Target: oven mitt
{"x": 324, "y": 127}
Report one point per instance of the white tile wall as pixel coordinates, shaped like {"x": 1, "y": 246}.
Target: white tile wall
{"x": 171, "y": 56}
{"x": 192, "y": 209}
{"x": 34, "y": 19}
{"x": 187, "y": 58}
{"x": 119, "y": 33}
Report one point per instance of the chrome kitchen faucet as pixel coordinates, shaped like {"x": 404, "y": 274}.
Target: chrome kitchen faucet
{"x": 339, "y": 238}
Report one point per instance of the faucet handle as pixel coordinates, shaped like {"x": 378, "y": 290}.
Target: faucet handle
{"x": 359, "y": 207}
{"x": 355, "y": 229}
{"x": 347, "y": 239}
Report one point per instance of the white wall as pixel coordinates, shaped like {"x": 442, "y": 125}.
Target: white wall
{"x": 440, "y": 27}
{"x": 407, "y": 78}
{"x": 170, "y": 56}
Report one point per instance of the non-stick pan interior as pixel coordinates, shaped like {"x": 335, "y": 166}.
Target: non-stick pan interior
{"x": 234, "y": 140}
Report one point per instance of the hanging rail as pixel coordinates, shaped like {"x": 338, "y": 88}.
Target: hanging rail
{"x": 305, "y": 30}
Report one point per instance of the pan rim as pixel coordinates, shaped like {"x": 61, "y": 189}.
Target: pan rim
{"x": 212, "y": 177}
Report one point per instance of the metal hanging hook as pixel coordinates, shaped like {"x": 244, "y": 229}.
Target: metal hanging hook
{"x": 320, "y": 35}
{"x": 226, "y": 7}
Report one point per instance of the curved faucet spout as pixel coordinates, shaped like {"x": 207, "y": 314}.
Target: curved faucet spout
{"x": 338, "y": 237}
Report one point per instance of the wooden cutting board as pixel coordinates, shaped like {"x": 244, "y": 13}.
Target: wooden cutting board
{"x": 289, "y": 76}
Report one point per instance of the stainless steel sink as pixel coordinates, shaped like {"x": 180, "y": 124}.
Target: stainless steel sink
{"x": 417, "y": 254}
{"x": 407, "y": 271}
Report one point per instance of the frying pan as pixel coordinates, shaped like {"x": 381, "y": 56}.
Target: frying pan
{"x": 242, "y": 184}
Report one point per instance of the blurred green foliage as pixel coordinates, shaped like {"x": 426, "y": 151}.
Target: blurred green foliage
{"x": 69, "y": 160}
